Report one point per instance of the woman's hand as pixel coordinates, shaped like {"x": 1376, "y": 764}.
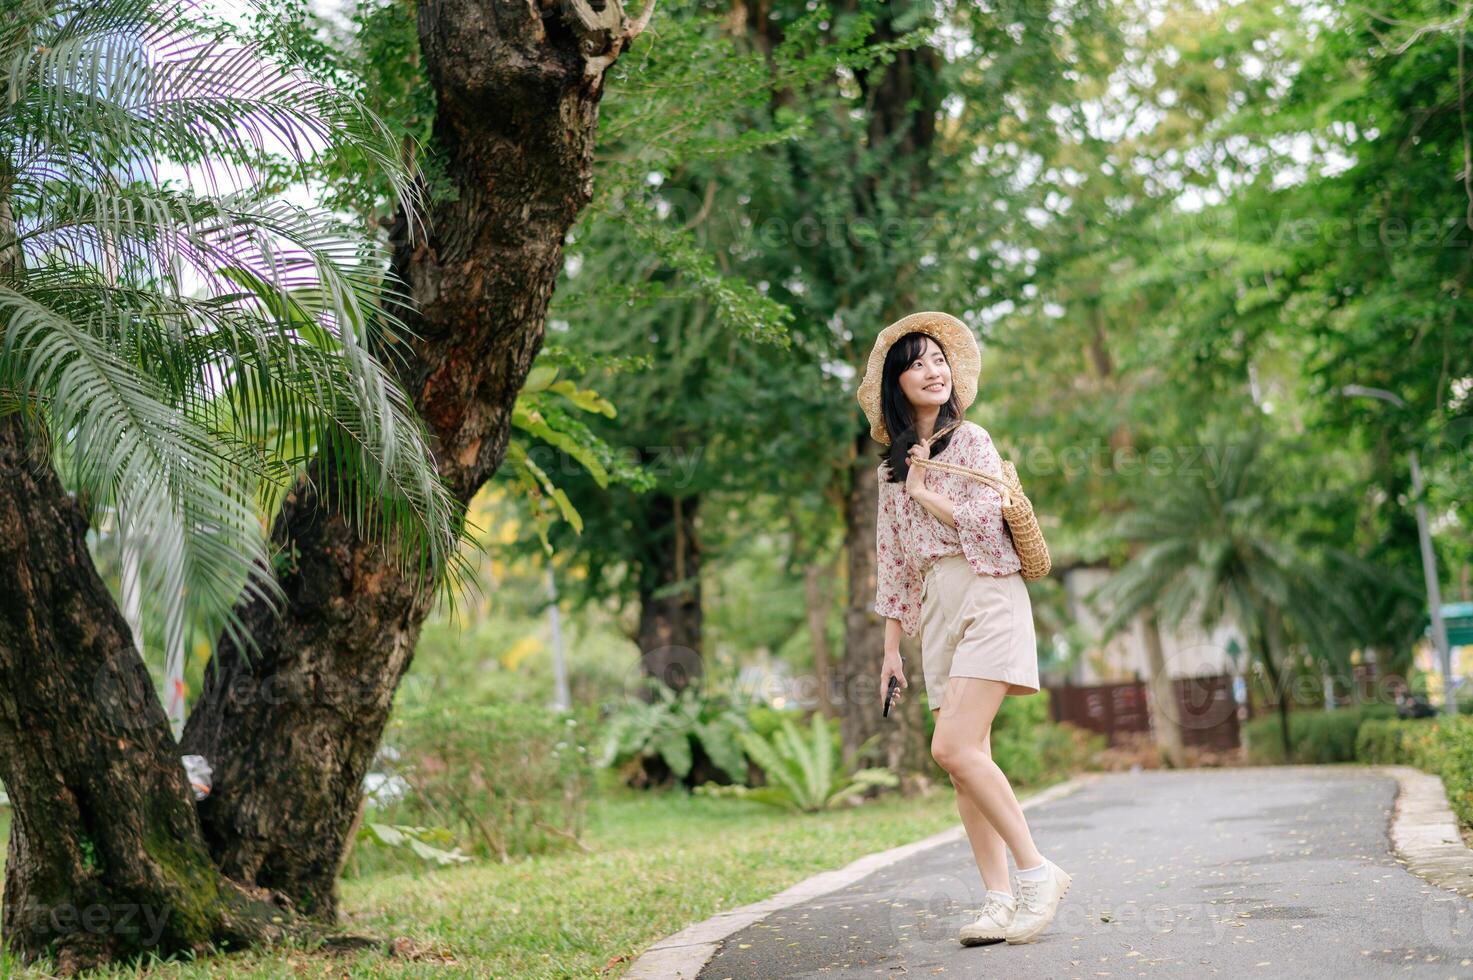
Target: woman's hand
{"x": 892, "y": 668}
{"x": 915, "y": 477}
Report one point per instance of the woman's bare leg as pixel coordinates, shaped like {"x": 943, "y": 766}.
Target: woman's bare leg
{"x": 963, "y": 722}
{"x": 987, "y": 847}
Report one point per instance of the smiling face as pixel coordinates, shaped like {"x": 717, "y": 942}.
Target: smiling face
{"x": 926, "y": 381}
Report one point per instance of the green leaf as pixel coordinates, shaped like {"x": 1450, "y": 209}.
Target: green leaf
{"x": 416, "y": 840}
{"x": 674, "y": 748}
{"x": 539, "y": 378}
{"x": 585, "y": 398}
{"x": 383, "y": 833}
{"x": 533, "y": 425}
{"x": 517, "y": 456}
{"x": 719, "y": 741}
{"x": 437, "y": 855}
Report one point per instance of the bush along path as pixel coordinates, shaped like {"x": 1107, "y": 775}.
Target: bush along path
{"x": 1440, "y": 746}
{"x": 1257, "y": 871}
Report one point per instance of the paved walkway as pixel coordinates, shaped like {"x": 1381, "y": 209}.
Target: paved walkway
{"x": 1272, "y": 872}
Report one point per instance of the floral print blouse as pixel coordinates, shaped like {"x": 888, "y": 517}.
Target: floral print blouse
{"x": 909, "y": 538}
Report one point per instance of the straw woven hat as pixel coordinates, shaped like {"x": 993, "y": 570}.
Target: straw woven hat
{"x": 957, "y": 343}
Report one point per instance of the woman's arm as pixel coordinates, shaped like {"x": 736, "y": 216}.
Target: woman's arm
{"x": 936, "y": 503}
{"x": 892, "y": 635}
{"x": 897, "y": 583}
{"x": 915, "y": 484}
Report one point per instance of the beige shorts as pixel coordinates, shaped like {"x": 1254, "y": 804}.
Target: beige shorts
{"x": 976, "y": 626}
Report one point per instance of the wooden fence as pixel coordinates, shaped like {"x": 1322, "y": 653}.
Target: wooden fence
{"x": 1205, "y": 709}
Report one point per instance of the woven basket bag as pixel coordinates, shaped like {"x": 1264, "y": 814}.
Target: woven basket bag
{"x": 1017, "y": 511}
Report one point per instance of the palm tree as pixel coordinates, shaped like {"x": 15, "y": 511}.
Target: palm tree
{"x": 135, "y": 304}
{"x": 175, "y": 351}
{"x": 1224, "y": 547}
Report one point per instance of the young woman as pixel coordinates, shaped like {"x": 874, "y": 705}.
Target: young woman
{"x": 946, "y": 568}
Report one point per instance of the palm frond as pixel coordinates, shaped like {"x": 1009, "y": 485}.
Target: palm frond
{"x": 191, "y": 350}
{"x": 110, "y": 86}
{"x": 1224, "y": 548}
{"x": 131, "y": 445}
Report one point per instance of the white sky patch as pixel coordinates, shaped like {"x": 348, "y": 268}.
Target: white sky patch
{"x": 218, "y": 177}
{"x": 1460, "y": 389}
{"x": 839, "y": 369}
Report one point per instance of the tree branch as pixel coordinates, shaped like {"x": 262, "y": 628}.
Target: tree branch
{"x": 604, "y": 33}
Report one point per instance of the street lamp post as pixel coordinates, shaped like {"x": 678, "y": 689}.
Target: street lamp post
{"x": 1429, "y": 559}
{"x": 561, "y": 698}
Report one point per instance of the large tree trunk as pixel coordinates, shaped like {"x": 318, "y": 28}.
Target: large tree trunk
{"x": 106, "y": 857}
{"x": 817, "y": 597}
{"x": 291, "y": 730}
{"x": 669, "y": 636}
{"x": 670, "y": 593}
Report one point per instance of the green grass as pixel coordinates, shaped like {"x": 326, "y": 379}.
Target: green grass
{"x": 655, "y": 863}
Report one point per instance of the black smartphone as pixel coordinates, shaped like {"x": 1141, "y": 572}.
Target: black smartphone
{"x": 890, "y": 693}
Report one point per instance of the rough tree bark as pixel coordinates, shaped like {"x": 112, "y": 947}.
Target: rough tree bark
{"x": 669, "y": 637}
{"x": 670, "y": 593}
{"x": 818, "y": 598}
{"x": 106, "y": 855}
{"x": 291, "y": 731}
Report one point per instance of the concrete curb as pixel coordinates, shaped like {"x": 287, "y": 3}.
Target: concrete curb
{"x": 686, "y": 952}
{"x": 1424, "y": 831}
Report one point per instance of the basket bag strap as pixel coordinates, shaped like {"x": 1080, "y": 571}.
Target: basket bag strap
{"x": 1008, "y": 491}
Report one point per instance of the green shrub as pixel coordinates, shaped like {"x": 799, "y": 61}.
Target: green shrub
{"x": 1029, "y": 747}
{"x": 766, "y": 720}
{"x": 427, "y": 844}
{"x": 1315, "y": 737}
{"x": 1441, "y": 746}
{"x": 671, "y": 726}
{"x": 1032, "y": 749}
{"x": 1381, "y": 741}
{"x": 800, "y": 769}
{"x": 1456, "y": 767}
{"x": 505, "y": 778}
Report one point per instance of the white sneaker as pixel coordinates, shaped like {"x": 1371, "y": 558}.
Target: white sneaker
{"x": 1037, "y": 903}
{"x": 991, "y": 926}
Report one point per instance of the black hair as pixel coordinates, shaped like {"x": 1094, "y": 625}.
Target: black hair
{"x": 895, "y": 407}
